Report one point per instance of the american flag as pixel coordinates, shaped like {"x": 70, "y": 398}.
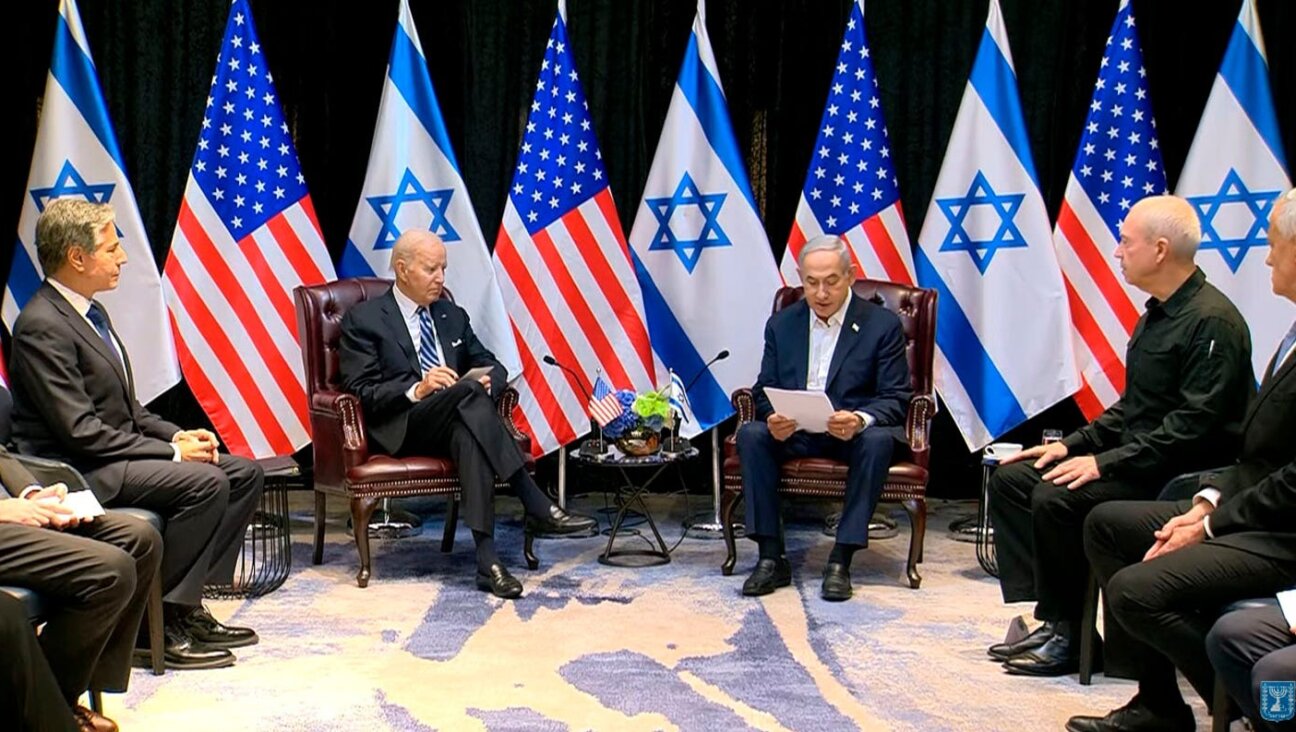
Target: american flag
{"x": 1118, "y": 163}
{"x": 562, "y": 260}
{"x": 246, "y": 236}
{"x": 604, "y": 406}
{"x": 851, "y": 188}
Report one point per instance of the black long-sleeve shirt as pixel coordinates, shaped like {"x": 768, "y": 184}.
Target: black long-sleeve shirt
{"x": 1188, "y": 381}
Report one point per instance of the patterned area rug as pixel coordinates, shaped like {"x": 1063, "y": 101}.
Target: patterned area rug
{"x": 673, "y": 647}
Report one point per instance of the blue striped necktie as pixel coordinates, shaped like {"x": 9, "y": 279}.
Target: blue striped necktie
{"x": 427, "y": 342}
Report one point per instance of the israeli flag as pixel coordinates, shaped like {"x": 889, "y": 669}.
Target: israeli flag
{"x": 677, "y": 396}
{"x": 77, "y": 156}
{"x": 698, "y": 246}
{"x": 1234, "y": 171}
{"x": 413, "y": 181}
{"x": 1003, "y": 328}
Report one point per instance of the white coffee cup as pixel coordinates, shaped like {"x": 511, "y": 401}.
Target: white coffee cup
{"x": 1001, "y": 450}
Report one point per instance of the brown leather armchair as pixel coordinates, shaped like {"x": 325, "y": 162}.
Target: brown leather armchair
{"x": 344, "y": 465}
{"x": 821, "y": 477}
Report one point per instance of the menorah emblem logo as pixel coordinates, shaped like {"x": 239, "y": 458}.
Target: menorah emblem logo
{"x": 1277, "y": 700}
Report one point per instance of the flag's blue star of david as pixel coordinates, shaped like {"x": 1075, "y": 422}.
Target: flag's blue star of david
{"x": 1007, "y": 236}
{"x": 1233, "y": 190}
{"x": 69, "y": 182}
{"x": 411, "y": 191}
{"x": 709, "y": 235}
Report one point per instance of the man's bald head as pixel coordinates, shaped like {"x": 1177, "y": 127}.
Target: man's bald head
{"x": 1158, "y": 241}
{"x": 1173, "y": 219}
{"x": 418, "y": 260}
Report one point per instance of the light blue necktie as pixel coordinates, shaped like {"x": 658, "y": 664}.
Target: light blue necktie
{"x": 427, "y": 342}
{"x": 1284, "y": 348}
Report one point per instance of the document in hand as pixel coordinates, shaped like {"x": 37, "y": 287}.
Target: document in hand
{"x": 810, "y": 409}
{"x": 1287, "y": 601}
{"x": 84, "y": 505}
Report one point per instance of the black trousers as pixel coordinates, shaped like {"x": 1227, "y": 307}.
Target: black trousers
{"x": 461, "y": 422}
{"x": 206, "y": 508}
{"x": 94, "y": 579}
{"x": 1039, "y": 536}
{"x": 1250, "y": 646}
{"x": 1166, "y": 606}
{"x": 867, "y": 455}
{"x": 30, "y": 698}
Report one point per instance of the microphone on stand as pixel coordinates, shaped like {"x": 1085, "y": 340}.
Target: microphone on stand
{"x": 591, "y": 447}
{"x": 674, "y": 443}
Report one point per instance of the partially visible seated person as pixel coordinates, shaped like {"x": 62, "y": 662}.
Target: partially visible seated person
{"x": 1188, "y": 379}
{"x": 402, "y": 354}
{"x": 74, "y": 400}
{"x": 93, "y": 578}
{"x": 854, "y": 351}
{"x": 1168, "y": 567}
{"x": 1247, "y": 648}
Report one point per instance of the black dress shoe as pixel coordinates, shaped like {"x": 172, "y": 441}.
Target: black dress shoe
{"x": 836, "y": 585}
{"x": 1036, "y": 638}
{"x": 1136, "y": 717}
{"x": 1059, "y": 656}
{"x": 182, "y": 653}
{"x": 769, "y": 575}
{"x": 499, "y": 582}
{"x": 207, "y": 630}
{"x": 558, "y": 521}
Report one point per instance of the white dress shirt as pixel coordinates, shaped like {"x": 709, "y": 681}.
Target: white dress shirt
{"x": 80, "y": 304}
{"x": 410, "y": 312}
{"x": 824, "y": 335}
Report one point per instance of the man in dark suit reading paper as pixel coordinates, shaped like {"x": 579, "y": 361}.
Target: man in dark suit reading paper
{"x": 854, "y": 351}
{"x": 402, "y": 354}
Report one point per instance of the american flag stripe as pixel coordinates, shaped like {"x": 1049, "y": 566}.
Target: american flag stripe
{"x": 201, "y": 343}
{"x": 211, "y": 401}
{"x": 1101, "y": 268}
{"x": 239, "y": 306}
{"x": 872, "y": 245}
{"x": 606, "y": 409}
{"x": 544, "y": 415}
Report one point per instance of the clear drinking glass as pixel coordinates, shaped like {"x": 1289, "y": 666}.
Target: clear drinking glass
{"x": 1051, "y": 436}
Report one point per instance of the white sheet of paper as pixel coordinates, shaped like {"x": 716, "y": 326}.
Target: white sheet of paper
{"x": 475, "y": 374}
{"x": 810, "y": 409}
{"x": 1287, "y": 601}
{"x": 84, "y": 504}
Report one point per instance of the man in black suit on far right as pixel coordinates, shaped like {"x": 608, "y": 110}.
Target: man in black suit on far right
{"x": 1167, "y": 567}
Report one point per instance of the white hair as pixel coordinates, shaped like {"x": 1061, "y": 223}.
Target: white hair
{"x": 825, "y": 243}
{"x": 1284, "y": 216}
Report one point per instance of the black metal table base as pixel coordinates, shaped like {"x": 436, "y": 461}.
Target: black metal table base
{"x": 631, "y": 495}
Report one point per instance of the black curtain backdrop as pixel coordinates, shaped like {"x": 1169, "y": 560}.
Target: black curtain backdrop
{"x": 155, "y": 60}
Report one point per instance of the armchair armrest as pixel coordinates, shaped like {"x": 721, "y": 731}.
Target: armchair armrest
{"x": 922, "y": 407}
{"x": 49, "y": 472}
{"x": 508, "y": 401}
{"x": 337, "y": 427}
{"x": 744, "y": 403}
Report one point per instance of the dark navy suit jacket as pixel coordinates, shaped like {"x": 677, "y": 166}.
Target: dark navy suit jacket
{"x": 868, "y": 371}
{"x": 378, "y": 361}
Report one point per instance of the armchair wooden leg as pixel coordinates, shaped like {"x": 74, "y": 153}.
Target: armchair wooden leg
{"x": 917, "y": 510}
{"x": 452, "y": 523}
{"x": 528, "y": 550}
{"x": 1220, "y": 707}
{"x": 728, "y": 499}
{"x": 153, "y": 617}
{"x": 320, "y": 499}
{"x": 361, "y": 510}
